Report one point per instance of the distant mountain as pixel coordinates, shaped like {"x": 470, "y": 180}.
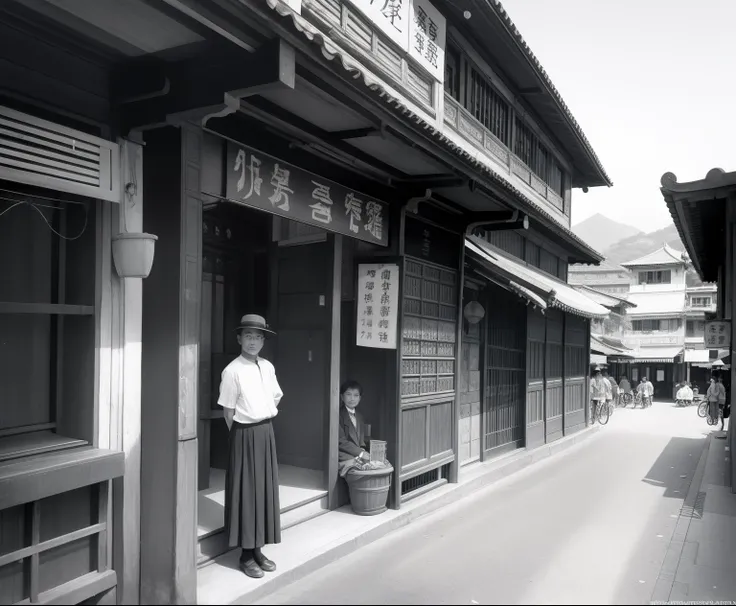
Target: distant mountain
{"x": 601, "y": 232}
{"x": 642, "y": 244}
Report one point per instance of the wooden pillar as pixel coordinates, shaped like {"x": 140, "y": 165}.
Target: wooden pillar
{"x": 118, "y": 422}
{"x": 334, "y": 408}
{"x": 587, "y": 374}
{"x": 730, "y": 267}
{"x": 171, "y": 319}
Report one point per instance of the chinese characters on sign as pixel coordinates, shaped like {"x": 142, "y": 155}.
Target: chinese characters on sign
{"x": 258, "y": 180}
{"x": 390, "y": 16}
{"x": 718, "y": 334}
{"x": 415, "y": 25}
{"x": 378, "y": 305}
{"x": 427, "y": 37}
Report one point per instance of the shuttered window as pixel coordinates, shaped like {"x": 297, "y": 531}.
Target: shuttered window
{"x": 38, "y": 152}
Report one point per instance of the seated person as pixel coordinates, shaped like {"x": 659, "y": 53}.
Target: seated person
{"x": 685, "y": 393}
{"x": 352, "y": 445}
{"x": 624, "y": 385}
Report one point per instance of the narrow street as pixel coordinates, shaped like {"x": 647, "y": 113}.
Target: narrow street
{"x": 589, "y": 526}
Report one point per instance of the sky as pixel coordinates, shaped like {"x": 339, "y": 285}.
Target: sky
{"x": 652, "y": 84}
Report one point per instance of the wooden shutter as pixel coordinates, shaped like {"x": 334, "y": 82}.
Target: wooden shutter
{"x": 38, "y": 152}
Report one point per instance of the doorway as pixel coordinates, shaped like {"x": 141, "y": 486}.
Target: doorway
{"x": 245, "y": 270}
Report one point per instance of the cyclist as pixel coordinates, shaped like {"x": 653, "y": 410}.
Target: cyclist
{"x": 646, "y": 391}
{"x": 624, "y": 388}
{"x": 600, "y": 393}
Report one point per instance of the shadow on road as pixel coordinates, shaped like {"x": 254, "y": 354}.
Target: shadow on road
{"x": 678, "y": 456}
{"x": 673, "y": 473}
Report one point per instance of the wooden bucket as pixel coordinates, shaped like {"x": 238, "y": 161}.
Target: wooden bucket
{"x": 369, "y": 490}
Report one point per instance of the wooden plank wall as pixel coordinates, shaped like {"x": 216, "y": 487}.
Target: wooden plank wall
{"x": 505, "y": 363}
{"x": 554, "y": 390}
{"x": 576, "y": 366}
{"x": 470, "y": 439}
{"x": 535, "y": 399}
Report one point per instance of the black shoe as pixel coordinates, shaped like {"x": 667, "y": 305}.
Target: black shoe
{"x": 263, "y": 562}
{"x": 251, "y": 568}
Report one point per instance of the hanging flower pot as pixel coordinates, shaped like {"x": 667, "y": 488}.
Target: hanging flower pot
{"x": 133, "y": 254}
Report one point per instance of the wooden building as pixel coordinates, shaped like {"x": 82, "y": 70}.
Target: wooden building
{"x": 705, "y": 217}
{"x": 288, "y": 155}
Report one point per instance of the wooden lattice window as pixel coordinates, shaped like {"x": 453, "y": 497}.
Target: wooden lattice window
{"x": 429, "y": 346}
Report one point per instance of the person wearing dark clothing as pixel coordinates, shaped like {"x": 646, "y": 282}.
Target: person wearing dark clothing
{"x": 352, "y": 446}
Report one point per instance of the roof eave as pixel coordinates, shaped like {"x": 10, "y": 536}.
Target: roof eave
{"x": 717, "y": 184}
{"x": 495, "y": 8}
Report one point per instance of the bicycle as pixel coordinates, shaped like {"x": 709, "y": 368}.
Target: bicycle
{"x": 643, "y": 401}
{"x": 719, "y": 418}
{"x": 626, "y": 398}
{"x": 602, "y": 411}
{"x": 703, "y": 409}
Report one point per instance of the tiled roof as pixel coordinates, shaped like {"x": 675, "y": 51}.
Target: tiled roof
{"x": 663, "y": 256}
{"x": 356, "y": 71}
{"x": 603, "y": 298}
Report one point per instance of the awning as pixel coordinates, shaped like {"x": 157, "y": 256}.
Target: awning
{"x": 698, "y": 356}
{"x": 656, "y": 355}
{"x": 553, "y": 292}
{"x": 599, "y": 347}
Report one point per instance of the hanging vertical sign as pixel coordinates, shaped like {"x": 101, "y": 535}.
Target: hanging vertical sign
{"x": 377, "y": 305}
{"x": 718, "y": 334}
{"x": 427, "y": 37}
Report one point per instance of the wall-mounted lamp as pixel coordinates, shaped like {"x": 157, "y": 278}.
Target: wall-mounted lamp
{"x": 133, "y": 254}
{"x": 474, "y": 312}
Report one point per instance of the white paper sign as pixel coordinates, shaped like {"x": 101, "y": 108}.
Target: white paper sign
{"x": 718, "y": 334}
{"x": 391, "y": 17}
{"x": 415, "y": 25}
{"x": 660, "y": 375}
{"x": 427, "y": 37}
{"x": 377, "y": 305}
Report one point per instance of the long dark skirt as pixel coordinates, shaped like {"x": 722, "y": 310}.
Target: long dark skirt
{"x": 252, "y": 514}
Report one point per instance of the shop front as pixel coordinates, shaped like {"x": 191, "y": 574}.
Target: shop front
{"x": 535, "y": 342}
{"x": 64, "y": 353}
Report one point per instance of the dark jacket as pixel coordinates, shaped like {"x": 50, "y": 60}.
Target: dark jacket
{"x": 352, "y": 441}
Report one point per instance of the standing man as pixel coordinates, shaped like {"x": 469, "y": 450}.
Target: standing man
{"x": 721, "y": 400}
{"x": 614, "y": 386}
{"x": 600, "y": 393}
{"x": 249, "y": 395}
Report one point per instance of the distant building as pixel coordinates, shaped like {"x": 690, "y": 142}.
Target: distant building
{"x": 606, "y": 334}
{"x": 607, "y": 277}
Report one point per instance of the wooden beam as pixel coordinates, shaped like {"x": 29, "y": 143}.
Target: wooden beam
{"x": 435, "y": 181}
{"x": 203, "y": 20}
{"x": 201, "y": 83}
{"x": 355, "y": 133}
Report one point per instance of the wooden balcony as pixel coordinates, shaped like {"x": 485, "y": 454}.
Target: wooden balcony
{"x": 464, "y": 124}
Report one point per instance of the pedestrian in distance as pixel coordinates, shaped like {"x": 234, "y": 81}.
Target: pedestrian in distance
{"x": 600, "y": 393}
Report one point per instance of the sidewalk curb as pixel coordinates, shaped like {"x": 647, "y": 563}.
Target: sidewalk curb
{"x": 484, "y": 478}
{"x": 666, "y": 579}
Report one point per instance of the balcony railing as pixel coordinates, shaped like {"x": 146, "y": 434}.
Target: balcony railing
{"x": 463, "y": 122}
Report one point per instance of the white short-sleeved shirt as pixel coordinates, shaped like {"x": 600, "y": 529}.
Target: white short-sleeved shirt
{"x": 250, "y": 389}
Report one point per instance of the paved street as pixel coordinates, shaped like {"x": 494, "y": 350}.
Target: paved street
{"x": 589, "y": 526}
